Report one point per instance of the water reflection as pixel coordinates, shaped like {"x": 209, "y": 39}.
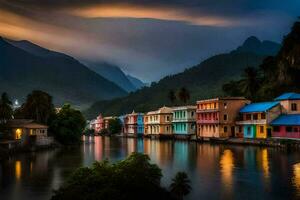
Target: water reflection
{"x": 296, "y": 178}
{"x": 18, "y": 169}
{"x": 227, "y": 166}
{"x": 216, "y": 171}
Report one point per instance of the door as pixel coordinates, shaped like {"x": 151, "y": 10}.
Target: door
{"x": 232, "y": 133}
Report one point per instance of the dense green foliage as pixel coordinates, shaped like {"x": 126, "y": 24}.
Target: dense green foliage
{"x": 203, "y": 81}
{"x": 25, "y": 67}
{"x": 114, "y": 126}
{"x": 67, "y": 125}
{"x": 134, "y": 178}
{"x": 38, "y": 106}
{"x": 275, "y": 75}
{"x": 181, "y": 185}
{"x": 6, "y": 111}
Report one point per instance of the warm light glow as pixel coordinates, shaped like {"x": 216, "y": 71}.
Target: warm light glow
{"x": 18, "y": 169}
{"x": 18, "y": 134}
{"x": 160, "y": 13}
{"x": 265, "y": 163}
{"x": 296, "y": 178}
{"x": 227, "y": 165}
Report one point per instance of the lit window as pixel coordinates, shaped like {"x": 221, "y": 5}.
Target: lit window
{"x": 18, "y": 134}
{"x": 225, "y": 129}
{"x": 262, "y": 130}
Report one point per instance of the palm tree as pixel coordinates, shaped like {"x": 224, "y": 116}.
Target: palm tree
{"x": 172, "y": 96}
{"x": 180, "y": 185}
{"x": 38, "y": 106}
{"x": 184, "y": 95}
{"x": 250, "y": 82}
{"x": 6, "y": 110}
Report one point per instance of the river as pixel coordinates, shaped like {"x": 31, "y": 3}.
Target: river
{"x": 216, "y": 171}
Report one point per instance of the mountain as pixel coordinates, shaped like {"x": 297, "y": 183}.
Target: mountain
{"x": 254, "y": 45}
{"x": 114, "y": 74}
{"x": 204, "y": 80}
{"x": 138, "y": 84}
{"x": 25, "y": 66}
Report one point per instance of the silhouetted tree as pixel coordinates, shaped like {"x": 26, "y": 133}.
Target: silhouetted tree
{"x": 250, "y": 82}
{"x": 114, "y": 126}
{"x": 6, "y": 111}
{"x": 67, "y": 125}
{"x": 180, "y": 185}
{"x": 38, "y": 106}
{"x": 133, "y": 178}
{"x": 172, "y": 96}
{"x": 184, "y": 95}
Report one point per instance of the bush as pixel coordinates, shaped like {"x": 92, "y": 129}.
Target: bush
{"x": 134, "y": 178}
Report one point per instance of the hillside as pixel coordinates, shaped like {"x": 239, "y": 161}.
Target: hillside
{"x": 25, "y": 67}
{"x": 114, "y": 74}
{"x": 203, "y": 81}
{"x": 138, "y": 84}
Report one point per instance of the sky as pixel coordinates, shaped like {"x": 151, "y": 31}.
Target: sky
{"x": 146, "y": 38}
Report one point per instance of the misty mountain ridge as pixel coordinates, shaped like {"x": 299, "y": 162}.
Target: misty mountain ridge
{"x": 204, "y": 80}
{"x": 25, "y": 66}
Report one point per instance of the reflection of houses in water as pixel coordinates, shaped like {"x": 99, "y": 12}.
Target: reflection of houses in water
{"x": 227, "y": 167}
{"x": 296, "y": 178}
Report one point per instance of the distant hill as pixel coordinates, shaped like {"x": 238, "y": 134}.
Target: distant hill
{"x": 203, "y": 81}
{"x": 25, "y": 66}
{"x": 112, "y": 73}
{"x": 138, "y": 84}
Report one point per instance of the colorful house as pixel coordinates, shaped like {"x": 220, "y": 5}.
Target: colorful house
{"x": 106, "y": 121}
{"x": 256, "y": 118}
{"x": 216, "y": 117}
{"x": 184, "y": 121}
{"x": 158, "y": 123}
{"x": 28, "y": 132}
{"x": 97, "y": 124}
{"x": 134, "y": 124}
{"x": 286, "y": 126}
{"x": 290, "y": 103}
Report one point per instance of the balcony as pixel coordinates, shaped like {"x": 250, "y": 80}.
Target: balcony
{"x": 208, "y": 121}
{"x": 249, "y": 122}
{"x": 208, "y": 110}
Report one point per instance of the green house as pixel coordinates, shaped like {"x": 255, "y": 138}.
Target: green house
{"x": 184, "y": 120}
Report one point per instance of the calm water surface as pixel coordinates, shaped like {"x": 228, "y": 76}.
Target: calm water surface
{"x": 216, "y": 171}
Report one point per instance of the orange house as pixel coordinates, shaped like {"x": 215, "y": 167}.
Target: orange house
{"x": 216, "y": 117}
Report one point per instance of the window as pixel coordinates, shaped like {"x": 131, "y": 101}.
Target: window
{"x": 225, "y": 129}
{"x": 225, "y": 105}
{"x": 255, "y": 116}
{"x": 294, "y": 107}
{"x": 288, "y": 129}
{"x": 248, "y": 117}
{"x": 248, "y": 130}
{"x": 263, "y": 115}
{"x": 192, "y": 114}
{"x": 215, "y": 105}
{"x": 240, "y": 129}
{"x": 295, "y": 129}
{"x": 261, "y": 129}
{"x": 276, "y": 128}
{"x": 225, "y": 117}
{"x": 168, "y": 118}
{"x": 18, "y": 134}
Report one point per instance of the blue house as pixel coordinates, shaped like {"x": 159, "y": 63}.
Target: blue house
{"x": 256, "y": 118}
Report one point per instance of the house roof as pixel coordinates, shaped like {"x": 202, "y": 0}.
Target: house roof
{"x": 288, "y": 96}
{"x": 288, "y": 120}
{"x": 189, "y": 107}
{"x": 221, "y": 98}
{"x": 259, "y": 107}
{"x": 162, "y": 110}
{"x": 24, "y": 123}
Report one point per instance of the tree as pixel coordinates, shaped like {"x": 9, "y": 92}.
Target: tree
{"x": 38, "y": 106}
{"x": 6, "y": 111}
{"x": 68, "y": 125}
{"x": 250, "y": 82}
{"x": 114, "y": 126}
{"x": 172, "y": 96}
{"x": 133, "y": 178}
{"x": 184, "y": 95}
{"x": 180, "y": 185}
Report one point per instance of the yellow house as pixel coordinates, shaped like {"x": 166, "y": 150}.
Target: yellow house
{"x": 159, "y": 122}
